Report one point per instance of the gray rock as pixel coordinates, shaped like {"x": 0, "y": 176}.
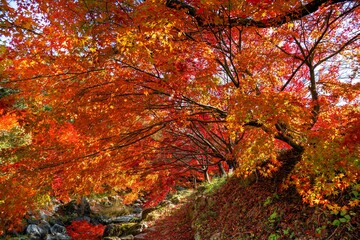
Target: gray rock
{"x": 54, "y": 220}
{"x": 121, "y": 219}
{"x": 73, "y": 209}
{"x": 103, "y": 220}
{"x": 83, "y": 218}
{"x": 137, "y": 228}
{"x": 45, "y": 226}
{"x": 68, "y": 208}
{"x": 151, "y": 229}
{"x": 137, "y": 210}
{"x": 113, "y": 230}
{"x": 136, "y": 205}
{"x": 180, "y": 188}
{"x": 58, "y": 229}
{"x": 44, "y": 215}
{"x": 57, "y": 236}
{"x": 35, "y": 232}
{"x": 84, "y": 207}
{"x": 146, "y": 212}
{"x": 123, "y": 229}
{"x": 126, "y": 218}
{"x": 140, "y": 236}
{"x": 144, "y": 225}
{"x": 128, "y": 237}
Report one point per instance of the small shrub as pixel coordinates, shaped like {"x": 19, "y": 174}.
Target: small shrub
{"x": 79, "y": 230}
{"x": 214, "y": 185}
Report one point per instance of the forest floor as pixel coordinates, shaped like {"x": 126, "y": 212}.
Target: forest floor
{"x": 229, "y": 208}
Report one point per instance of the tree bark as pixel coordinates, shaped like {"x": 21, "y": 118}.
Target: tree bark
{"x": 221, "y": 169}
{"x": 207, "y": 176}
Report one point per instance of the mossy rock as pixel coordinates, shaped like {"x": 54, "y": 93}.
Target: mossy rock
{"x": 68, "y": 208}
{"x": 146, "y": 213}
{"x": 124, "y": 229}
{"x": 22, "y": 237}
{"x": 113, "y": 230}
{"x": 175, "y": 199}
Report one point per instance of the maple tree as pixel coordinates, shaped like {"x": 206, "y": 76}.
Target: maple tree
{"x": 136, "y": 95}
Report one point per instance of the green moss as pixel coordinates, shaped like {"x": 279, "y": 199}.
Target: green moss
{"x": 127, "y": 226}
{"x": 213, "y": 186}
{"x": 25, "y": 237}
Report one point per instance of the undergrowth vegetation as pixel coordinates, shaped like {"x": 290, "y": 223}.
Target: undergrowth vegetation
{"x": 231, "y": 208}
{"x": 112, "y": 208}
{"x": 81, "y": 230}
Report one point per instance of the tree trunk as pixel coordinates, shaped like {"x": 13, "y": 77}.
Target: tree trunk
{"x": 221, "y": 169}
{"x": 288, "y": 159}
{"x": 195, "y": 182}
{"x": 206, "y": 175}
{"x": 232, "y": 165}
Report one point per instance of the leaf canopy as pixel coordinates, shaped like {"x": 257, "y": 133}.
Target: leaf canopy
{"x": 138, "y": 96}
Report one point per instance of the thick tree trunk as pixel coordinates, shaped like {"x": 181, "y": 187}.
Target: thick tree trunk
{"x": 288, "y": 159}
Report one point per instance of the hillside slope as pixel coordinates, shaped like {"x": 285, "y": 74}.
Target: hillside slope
{"x": 229, "y": 208}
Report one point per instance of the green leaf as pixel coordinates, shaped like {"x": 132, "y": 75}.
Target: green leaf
{"x": 336, "y": 222}
{"x": 356, "y": 194}
{"x": 343, "y": 213}
{"x": 273, "y": 215}
{"x": 273, "y": 236}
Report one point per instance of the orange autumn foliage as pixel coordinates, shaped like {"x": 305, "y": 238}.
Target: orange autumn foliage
{"x": 137, "y": 96}
{"x": 7, "y": 122}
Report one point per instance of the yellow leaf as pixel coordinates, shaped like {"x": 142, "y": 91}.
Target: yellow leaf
{"x": 354, "y": 203}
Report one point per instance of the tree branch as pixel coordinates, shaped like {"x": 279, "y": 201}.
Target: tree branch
{"x": 293, "y": 15}
{"x": 278, "y": 135}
